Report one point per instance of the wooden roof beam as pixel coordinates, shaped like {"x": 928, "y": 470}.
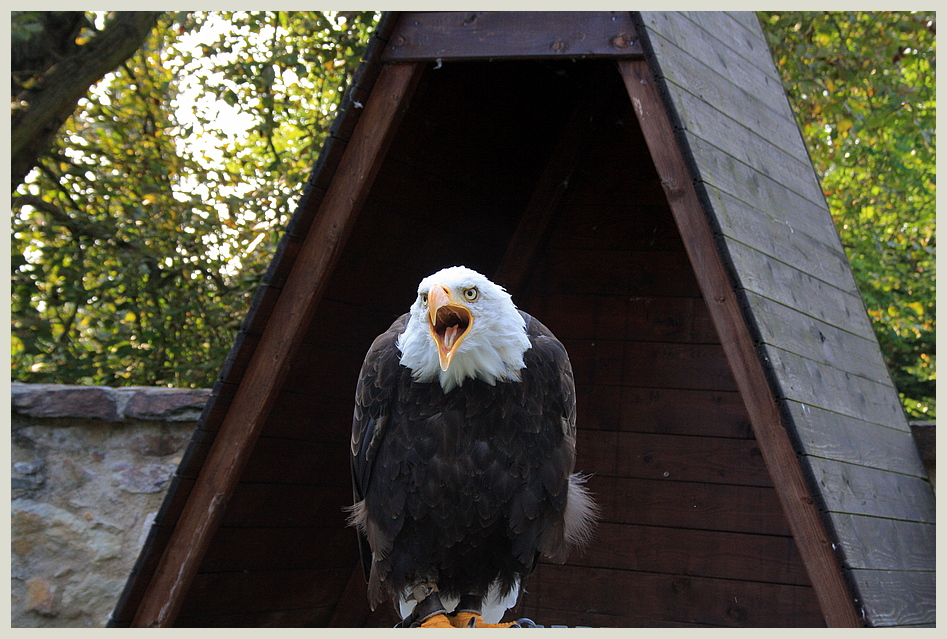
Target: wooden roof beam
{"x": 800, "y": 508}
{"x": 496, "y": 35}
{"x": 272, "y": 357}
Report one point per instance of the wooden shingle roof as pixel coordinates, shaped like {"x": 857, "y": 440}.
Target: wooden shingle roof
{"x": 810, "y": 329}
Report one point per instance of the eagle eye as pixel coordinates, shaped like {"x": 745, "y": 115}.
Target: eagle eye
{"x": 423, "y": 299}
{"x": 470, "y": 294}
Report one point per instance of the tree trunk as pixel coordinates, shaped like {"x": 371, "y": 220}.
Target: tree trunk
{"x": 38, "y": 112}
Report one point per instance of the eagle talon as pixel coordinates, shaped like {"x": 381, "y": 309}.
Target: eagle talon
{"x": 525, "y": 623}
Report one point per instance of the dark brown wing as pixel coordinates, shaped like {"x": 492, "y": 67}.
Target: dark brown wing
{"x": 547, "y": 358}
{"x": 549, "y": 389}
{"x": 373, "y": 395}
{"x": 400, "y": 431}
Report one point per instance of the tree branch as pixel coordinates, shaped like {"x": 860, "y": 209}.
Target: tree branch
{"x": 42, "y": 110}
{"x": 90, "y": 228}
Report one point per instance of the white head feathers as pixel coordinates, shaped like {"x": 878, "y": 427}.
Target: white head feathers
{"x": 492, "y": 347}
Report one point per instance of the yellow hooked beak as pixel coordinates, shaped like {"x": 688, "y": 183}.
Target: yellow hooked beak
{"x": 449, "y": 320}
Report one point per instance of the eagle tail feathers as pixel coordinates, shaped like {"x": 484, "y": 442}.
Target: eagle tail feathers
{"x": 357, "y": 516}
{"x": 581, "y": 511}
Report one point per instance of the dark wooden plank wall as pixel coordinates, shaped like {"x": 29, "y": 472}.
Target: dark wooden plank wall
{"x": 692, "y": 533}
{"x": 789, "y": 262}
{"x": 434, "y": 204}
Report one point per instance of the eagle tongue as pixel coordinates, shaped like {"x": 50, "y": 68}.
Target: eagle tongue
{"x": 450, "y": 335}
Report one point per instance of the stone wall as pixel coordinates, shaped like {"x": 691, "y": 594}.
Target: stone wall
{"x": 90, "y": 467}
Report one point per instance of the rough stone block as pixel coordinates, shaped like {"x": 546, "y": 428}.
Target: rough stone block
{"x": 166, "y": 404}
{"x": 143, "y": 479}
{"x": 58, "y": 400}
{"x": 156, "y": 445}
{"x": 39, "y": 596}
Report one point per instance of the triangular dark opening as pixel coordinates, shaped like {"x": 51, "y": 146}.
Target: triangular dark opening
{"x": 692, "y": 532}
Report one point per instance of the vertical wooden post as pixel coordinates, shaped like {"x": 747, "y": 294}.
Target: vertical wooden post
{"x": 270, "y": 362}
{"x": 800, "y": 510}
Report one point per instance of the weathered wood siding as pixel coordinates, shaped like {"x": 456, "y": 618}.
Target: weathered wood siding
{"x": 814, "y": 333}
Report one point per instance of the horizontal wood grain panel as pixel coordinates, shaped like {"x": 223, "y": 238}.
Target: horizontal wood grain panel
{"x": 671, "y": 457}
{"x": 796, "y": 289}
{"x": 806, "y": 336}
{"x": 701, "y": 553}
{"x": 650, "y": 364}
{"x": 636, "y": 318}
{"x": 754, "y": 147}
{"x": 247, "y": 592}
{"x": 751, "y": 22}
{"x": 809, "y": 382}
{"x": 859, "y": 490}
{"x": 749, "y": 509}
{"x": 609, "y": 210}
{"x": 743, "y": 182}
{"x": 886, "y": 544}
{"x": 896, "y": 598}
{"x": 685, "y": 412}
{"x": 808, "y": 243}
{"x": 459, "y": 35}
{"x": 673, "y": 597}
{"x": 619, "y": 272}
{"x": 662, "y": 410}
{"x": 736, "y": 32}
{"x": 831, "y": 435}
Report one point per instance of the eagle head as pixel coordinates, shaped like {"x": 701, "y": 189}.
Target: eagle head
{"x": 463, "y": 325}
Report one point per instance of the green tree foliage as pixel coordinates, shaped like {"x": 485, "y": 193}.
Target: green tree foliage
{"x": 140, "y": 236}
{"x": 862, "y": 85}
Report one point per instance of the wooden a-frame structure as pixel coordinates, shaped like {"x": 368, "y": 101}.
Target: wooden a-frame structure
{"x": 638, "y": 182}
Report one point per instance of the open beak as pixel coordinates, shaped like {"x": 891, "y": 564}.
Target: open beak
{"x": 450, "y": 321}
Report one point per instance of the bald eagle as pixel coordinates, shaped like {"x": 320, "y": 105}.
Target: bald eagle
{"x": 463, "y": 450}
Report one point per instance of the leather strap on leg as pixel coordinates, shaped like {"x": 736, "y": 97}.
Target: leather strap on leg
{"x": 469, "y": 603}
{"x": 426, "y": 610}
